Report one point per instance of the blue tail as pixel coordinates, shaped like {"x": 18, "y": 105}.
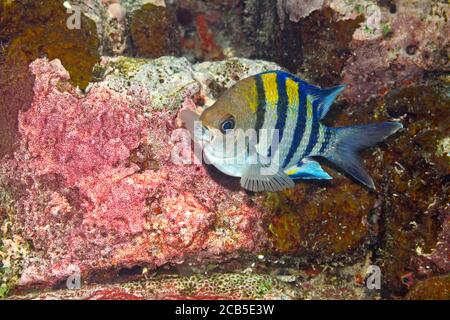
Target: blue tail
{"x": 349, "y": 140}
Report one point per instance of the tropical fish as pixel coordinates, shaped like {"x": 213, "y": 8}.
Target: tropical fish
{"x": 285, "y": 112}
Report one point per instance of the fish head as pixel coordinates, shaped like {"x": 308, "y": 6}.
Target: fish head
{"x": 235, "y": 109}
{"x": 226, "y": 124}
{"x": 220, "y": 117}
{"x": 219, "y": 148}
{"x": 222, "y": 129}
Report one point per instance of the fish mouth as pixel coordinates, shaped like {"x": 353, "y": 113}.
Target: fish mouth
{"x": 215, "y": 145}
{"x": 224, "y": 148}
{"x": 191, "y": 121}
{"x": 202, "y": 133}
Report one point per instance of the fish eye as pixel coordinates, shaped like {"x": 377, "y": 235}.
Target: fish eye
{"x": 227, "y": 124}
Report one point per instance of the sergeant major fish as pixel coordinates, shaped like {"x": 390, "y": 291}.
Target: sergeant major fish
{"x": 289, "y": 110}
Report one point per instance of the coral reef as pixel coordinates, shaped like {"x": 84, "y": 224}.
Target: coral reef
{"x": 296, "y": 9}
{"x": 13, "y": 78}
{"x": 81, "y": 200}
{"x": 88, "y": 181}
{"x": 210, "y": 30}
{"x": 165, "y": 82}
{"x": 372, "y": 47}
{"x": 327, "y": 41}
{"x": 331, "y": 42}
{"x": 320, "y": 221}
{"x": 415, "y": 192}
{"x": 111, "y": 22}
{"x": 283, "y": 283}
{"x": 394, "y": 55}
{"x": 410, "y": 170}
{"x": 32, "y": 29}
{"x": 13, "y": 248}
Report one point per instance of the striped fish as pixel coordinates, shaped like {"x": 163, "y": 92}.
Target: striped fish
{"x": 284, "y": 113}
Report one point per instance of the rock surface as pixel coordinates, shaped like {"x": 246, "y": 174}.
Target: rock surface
{"x": 87, "y": 180}
{"x": 198, "y": 287}
{"x": 96, "y": 186}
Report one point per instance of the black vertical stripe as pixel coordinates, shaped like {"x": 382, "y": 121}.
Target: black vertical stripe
{"x": 299, "y": 128}
{"x": 261, "y": 107}
{"x": 314, "y": 131}
{"x": 282, "y": 107}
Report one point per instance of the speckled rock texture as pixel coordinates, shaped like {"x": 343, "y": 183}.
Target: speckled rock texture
{"x": 328, "y": 41}
{"x": 199, "y": 287}
{"x": 343, "y": 283}
{"x": 371, "y": 45}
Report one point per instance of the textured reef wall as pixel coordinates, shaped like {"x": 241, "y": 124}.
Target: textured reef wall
{"x": 93, "y": 184}
{"x": 96, "y": 186}
{"x": 87, "y": 181}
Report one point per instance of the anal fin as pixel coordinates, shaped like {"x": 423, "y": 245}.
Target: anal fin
{"x": 307, "y": 169}
{"x": 255, "y": 179}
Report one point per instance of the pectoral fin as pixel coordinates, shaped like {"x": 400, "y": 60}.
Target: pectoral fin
{"x": 307, "y": 169}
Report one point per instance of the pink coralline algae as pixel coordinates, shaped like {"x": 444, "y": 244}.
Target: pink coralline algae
{"x": 84, "y": 200}
{"x": 394, "y": 50}
{"x": 74, "y": 137}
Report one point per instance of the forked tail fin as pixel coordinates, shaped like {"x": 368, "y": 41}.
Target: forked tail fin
{"x": 349, "y": 140}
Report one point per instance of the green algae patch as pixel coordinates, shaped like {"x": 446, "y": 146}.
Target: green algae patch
{"x": 126, "y": 66}
{"x": 34, "y": 29}
{"x": 435, "y": 288}
{"x": 320, "y": 221}
{"x": 153, "y": 31}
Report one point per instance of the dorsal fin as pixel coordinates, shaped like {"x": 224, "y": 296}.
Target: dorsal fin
{"x": 325, "y": 98}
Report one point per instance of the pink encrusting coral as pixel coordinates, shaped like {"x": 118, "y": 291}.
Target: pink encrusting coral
{"x": 75, "y": 137}
{"x": 407, "y": 44}
{"x": 86, "y": 199}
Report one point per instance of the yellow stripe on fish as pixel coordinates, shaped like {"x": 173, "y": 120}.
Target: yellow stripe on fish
{"x": 293, "y": 101}
{"x": 270, "y": 88}
{"x": 292, "y": 92}
{"x": 271, "y": 98}
{"x": 251, "y": 96}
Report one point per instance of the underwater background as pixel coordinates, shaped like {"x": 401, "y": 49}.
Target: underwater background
{"x": 90, "y": 200}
